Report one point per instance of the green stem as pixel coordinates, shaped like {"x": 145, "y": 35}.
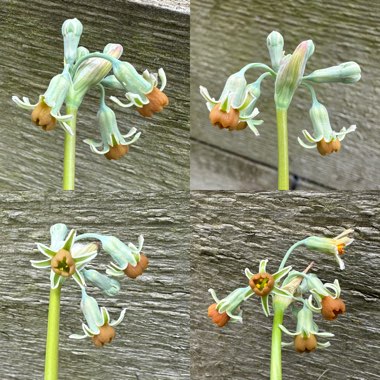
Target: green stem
{"x": 258, "y": 66}
{"x": 283, "y": 160}
{"x": 275, "y": 362}
{"x": 69, "y": 152}
{"x": 52, "y": 340}
{"x": 290, "y": 250}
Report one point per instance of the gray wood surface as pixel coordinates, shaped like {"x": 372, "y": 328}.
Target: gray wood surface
{"x": 153, "y": 340}
{"x": 235, "y": 231}
{"x": 176, "y": 5}
{"x": 32, "y": 51}
{"x": 225, "y": 35}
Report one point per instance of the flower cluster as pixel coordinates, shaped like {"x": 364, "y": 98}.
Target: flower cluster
{"x": 235, "y": 108}
{"x": 84, "y": 70}
{"x": 67, "y": 257}
{"x": 290, "y": 287}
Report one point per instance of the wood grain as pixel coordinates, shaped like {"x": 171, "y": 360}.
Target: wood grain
{"x": 153, "y": 340}
{"x": 235, "y": 231}
{"x": 227, "y": 35}
{"x": 32, "y": 52}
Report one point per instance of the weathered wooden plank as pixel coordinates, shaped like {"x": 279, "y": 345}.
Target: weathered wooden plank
{"x": 235, "y": 231}
{"x": 227, "y": 35}
{"x": 213, "y": 169}
{"x": 153, "y": 340}
{"x": 32, "y": 52}
{"x": 176, "y": 5}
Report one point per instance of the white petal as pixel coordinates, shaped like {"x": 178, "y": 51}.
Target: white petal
{"x": 119, "y": 320}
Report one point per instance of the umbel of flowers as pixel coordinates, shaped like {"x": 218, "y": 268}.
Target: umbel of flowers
{"x": 68, "y": 257}
{"x": 235, "y": 108}
{"x": 307, "y": 295}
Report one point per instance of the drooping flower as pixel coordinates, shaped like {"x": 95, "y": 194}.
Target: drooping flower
{"x": 325, "y": 139}
{"x": 335, "y": 246}
{"x": 142, "y": 90}
{"x": 327, "y": 296}
{"x": 113, "y": 145}
{"x": 290, "y": 73}
{"x": 229, "y": 307}
{"x": 124, "y": 255}
{"x": 305, "y": 335}
{"x": 66, "y": 259}
{"x": 99, "y": 327}
{"x": 46, "y": 112}
{"x": 228, "y": 111}
{"x": 263, "y": 284}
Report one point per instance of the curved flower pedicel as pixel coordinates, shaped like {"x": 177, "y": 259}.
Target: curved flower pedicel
{"x": 305, "y": 335}
{"x": 99, "y": 327}
{"x": 335, "y": 246}
{"x": 67, "y": 260}
{"x": 229, "y": 307}
{"x": 263, "y": 284}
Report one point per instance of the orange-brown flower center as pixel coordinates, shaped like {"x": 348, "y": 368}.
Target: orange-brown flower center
{"x": 63, "y": 263}
{"x": 262, "y": 283}
{"x": 305, "y": 344}
{"x": 157, "y": 101}
{"x": 41, "y": 116}
{"x": 220, "y": 319}
{"x": 325, "y": 148}
{"x": 138, "y": 269}
{"x": 331, "y": 308}
{"x": 228, "y": 120}
{"x": 105, "y": 336}
{"x": 116, "y": 152}
{"x": 340, "y": 248}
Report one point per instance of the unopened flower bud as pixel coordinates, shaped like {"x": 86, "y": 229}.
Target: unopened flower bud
{"x": 71, "y": 31}
{"x": 275, "y": 44}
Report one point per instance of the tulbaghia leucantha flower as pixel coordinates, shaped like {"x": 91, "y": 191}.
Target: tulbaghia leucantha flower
{"x": 71, "y": 31}
{"x": 66, "y": 260}
{"x": 142, "y": 90}
{"x": 335, "y": 246}
{"x": 275, "y": 44}
{"x": 263, "y": 284}
{"x": 305, "y": 335}
{"x": 229, "y": 110}
{"x": 229, "y": 307}
{"x": 99, "y": 327}
{"x": 325, "y": 139}
{"x": 46, "y": 112}
{"x": 113, "y": 145}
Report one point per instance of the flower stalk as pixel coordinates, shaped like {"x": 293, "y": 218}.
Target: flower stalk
{"x": 52, "y": 338}
{"x": 283, "y": 155}
{"x": 69, "y": 152}
{"x": 275, "y": 359}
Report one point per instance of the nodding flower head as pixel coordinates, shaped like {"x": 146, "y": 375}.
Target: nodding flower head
{"x": 327, "y": 297}
{"x": 113, "y": 145}
{"x": 222, "y": 311}
{"x": 99, "y": 327}
{"x": 347, "y": 72}
{"x": 263, "y": 284}
{"x": 142, "y": 90}
{"x": 230, "y": 111}
{"x": 46, "y": 112}
{"x": 71, "y": 31}
{"x": 305, "y": 335}
{"x": 65, "y": 258}
{"x": 290, "y": 73}
{"x": 335, "y": 246}
{"x": 325, "y": 139}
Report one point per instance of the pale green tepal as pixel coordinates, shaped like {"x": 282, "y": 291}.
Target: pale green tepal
{"x": 235, "y": 108}
{"x": 109, "y": 286}
{"x": 83, "y": 71}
